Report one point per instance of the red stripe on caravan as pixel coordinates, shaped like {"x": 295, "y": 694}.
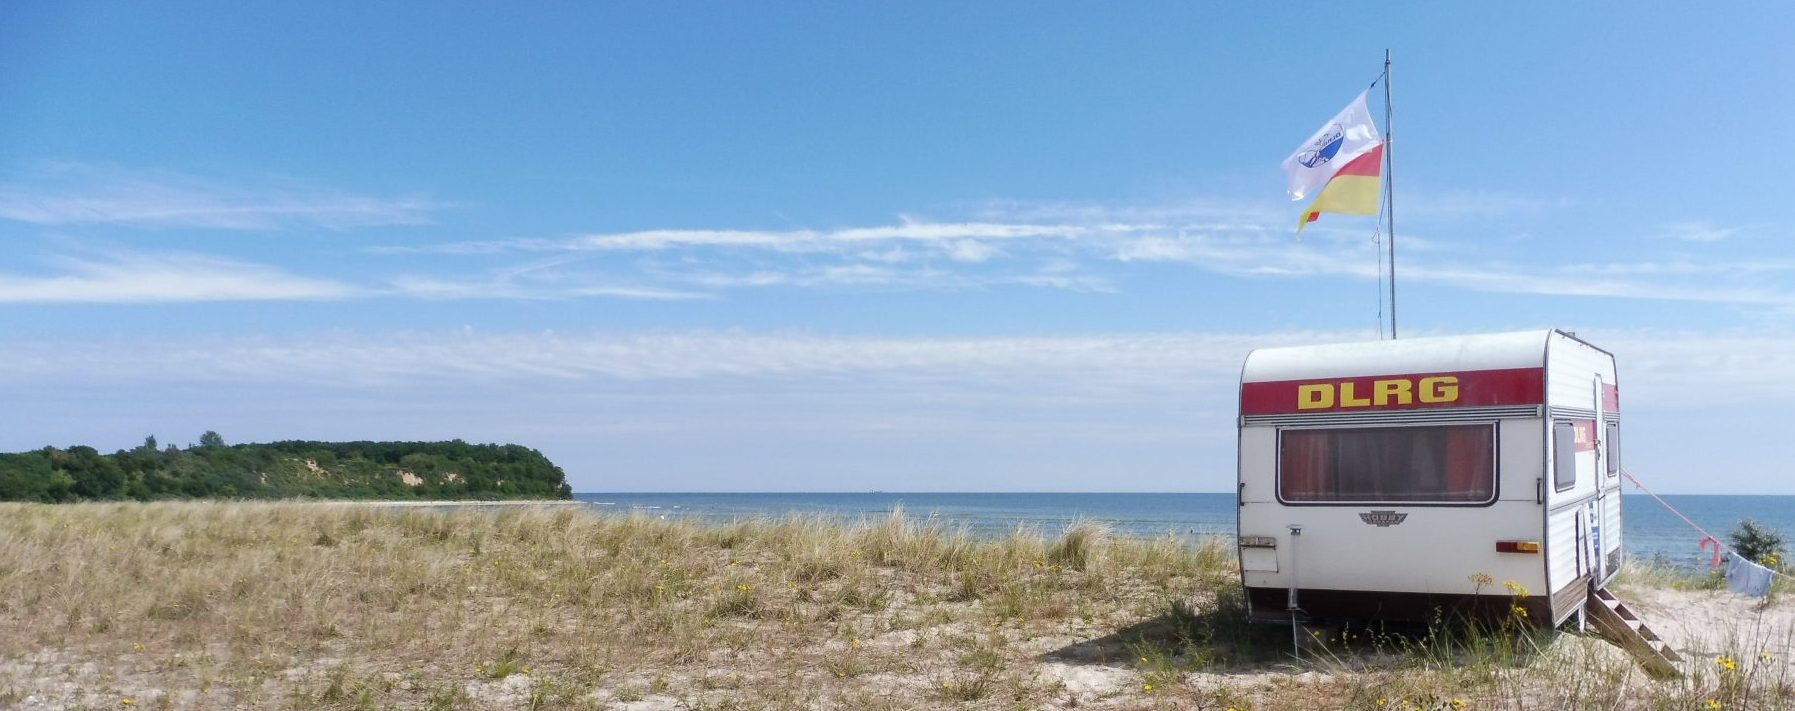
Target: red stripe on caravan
{"x": 1470, "y": 388}
{"x": 1610, "y": 398}
{"x": 1368, "y": 163}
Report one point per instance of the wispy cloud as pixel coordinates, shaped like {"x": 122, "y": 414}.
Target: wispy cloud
{"x": 1463, "y": 204}
{"x": 1092, "y": 245}
{"x": 967, "y": 241}
{"x": 541, "y": 280}
{"x": 1660, "y": 368}
{"x": 1068, "y": 246}
{"x": 424, "y": 287}
{"x": 164, "y": 278}
{"x": 468, "y": 354}
{"x": 79, "y": 194}
{"x": 1701, "y": 232}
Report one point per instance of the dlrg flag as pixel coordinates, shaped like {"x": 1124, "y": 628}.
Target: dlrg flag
{"x": 1344, "y": 159}
{"x": 1353, "y": 190}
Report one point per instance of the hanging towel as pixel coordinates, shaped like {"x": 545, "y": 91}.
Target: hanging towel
{"x": 1745, "y": 577}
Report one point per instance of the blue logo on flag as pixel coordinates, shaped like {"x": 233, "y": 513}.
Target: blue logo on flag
{"x": 1326, "y": 146}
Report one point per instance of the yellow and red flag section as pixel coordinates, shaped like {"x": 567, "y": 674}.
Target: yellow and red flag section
{"x": 1352, "y": 191}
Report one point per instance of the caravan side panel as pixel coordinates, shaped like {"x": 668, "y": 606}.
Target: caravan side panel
{"x": 1582, "y": 497}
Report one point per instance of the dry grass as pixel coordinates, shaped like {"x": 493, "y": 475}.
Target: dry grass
{"x": 269, "y": 605}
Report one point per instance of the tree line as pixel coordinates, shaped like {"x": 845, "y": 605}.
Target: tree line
{"x": 282, "y": 470}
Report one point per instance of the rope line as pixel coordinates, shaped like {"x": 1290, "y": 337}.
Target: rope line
{"x": 1666, "y": 504}
{"x": 1706, "y": 536}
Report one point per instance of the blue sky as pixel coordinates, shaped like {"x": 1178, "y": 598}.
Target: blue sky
{"x": 906, "y": 247}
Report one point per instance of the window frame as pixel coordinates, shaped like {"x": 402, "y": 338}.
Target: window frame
{"x": 1612, "y": 446}
{"x": 1564, "y": 452}
{"x": 1495, "y": 433}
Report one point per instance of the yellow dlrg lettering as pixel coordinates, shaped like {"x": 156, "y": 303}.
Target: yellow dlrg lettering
{"x": 1347, "y": 399}
{"x": 1314, "y": 397}
{"x": 1440, "y": 388}
{"x": 1387, "y": 392}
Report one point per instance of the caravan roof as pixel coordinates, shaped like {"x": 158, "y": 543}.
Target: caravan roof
{"x": 1493, "y": 351}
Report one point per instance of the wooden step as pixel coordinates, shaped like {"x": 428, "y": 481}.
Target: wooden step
{"x": 1619, "y": 625}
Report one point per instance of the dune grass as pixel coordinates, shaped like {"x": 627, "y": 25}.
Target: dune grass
{"x": 283, "y": 605}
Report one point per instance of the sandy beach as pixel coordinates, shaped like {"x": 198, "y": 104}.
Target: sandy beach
{"x": 249, "y": 605}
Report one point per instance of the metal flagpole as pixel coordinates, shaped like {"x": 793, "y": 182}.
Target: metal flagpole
{"x": 1390, "y": 190}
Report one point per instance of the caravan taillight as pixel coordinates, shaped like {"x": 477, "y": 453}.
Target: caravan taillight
{"x": 1517, "y": 546}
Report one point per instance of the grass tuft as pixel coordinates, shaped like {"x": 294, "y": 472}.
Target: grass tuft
{"x": 1078, "y": 547}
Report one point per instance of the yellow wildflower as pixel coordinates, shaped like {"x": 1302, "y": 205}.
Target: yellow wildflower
{"x": 1147, "y": 688}
{"x": 1713, "y": 704}
{"x": 126, "y": 702}
{"x": 1727, "y": 663}
{"x": 1458, "y": 705}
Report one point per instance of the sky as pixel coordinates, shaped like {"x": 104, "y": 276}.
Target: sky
{"x": 845, "y": 247}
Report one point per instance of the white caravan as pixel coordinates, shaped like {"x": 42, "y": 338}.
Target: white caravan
{"x": 1393, "y": 480}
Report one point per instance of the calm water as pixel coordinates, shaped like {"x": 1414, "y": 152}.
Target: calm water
{"x": 1652, "y": 532}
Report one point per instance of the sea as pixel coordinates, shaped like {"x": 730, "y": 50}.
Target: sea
{"x": 1653, "y": 532}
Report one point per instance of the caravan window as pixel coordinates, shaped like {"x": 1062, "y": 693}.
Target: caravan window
{"x": 1453, "y": 464}
{"x": 1564, "y": 455}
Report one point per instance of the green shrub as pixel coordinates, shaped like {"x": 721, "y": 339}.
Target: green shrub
{"x": 1757, "y": 544}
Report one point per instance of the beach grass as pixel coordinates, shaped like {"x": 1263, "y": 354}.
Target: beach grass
{"x": 289, "y": 605}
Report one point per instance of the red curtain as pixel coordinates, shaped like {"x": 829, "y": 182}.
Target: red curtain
{"x": 1306, "y": 466}
{"x": 1453, "y": 463}
{"x": 1470, "y": 464}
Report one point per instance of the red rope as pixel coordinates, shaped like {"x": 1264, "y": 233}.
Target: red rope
{"x": 1707, "y": 537}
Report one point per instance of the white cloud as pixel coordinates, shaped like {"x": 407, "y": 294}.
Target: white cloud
{"x": 1463, "y": 204}
{"x": 1701, "y": 232}
{"x": 426, "y": 287}
{"x": 1659, "y": 368}
{"x": 1156, "y": 248}
{"x": 164, "y": 278}
{"x": 971, "y": 251}
{"x": 348, "y": 358}
{"x": 76, "y": 194}
{"x": 1237, "y": 241}
{"x": 956, "y": 235}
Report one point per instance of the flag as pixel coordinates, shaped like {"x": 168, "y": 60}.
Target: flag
{"x": 1353, "y": 190}
{"x": 1340, "y": 140}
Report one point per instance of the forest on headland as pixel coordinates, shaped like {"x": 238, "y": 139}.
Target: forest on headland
{"x": 282, "y": 470}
